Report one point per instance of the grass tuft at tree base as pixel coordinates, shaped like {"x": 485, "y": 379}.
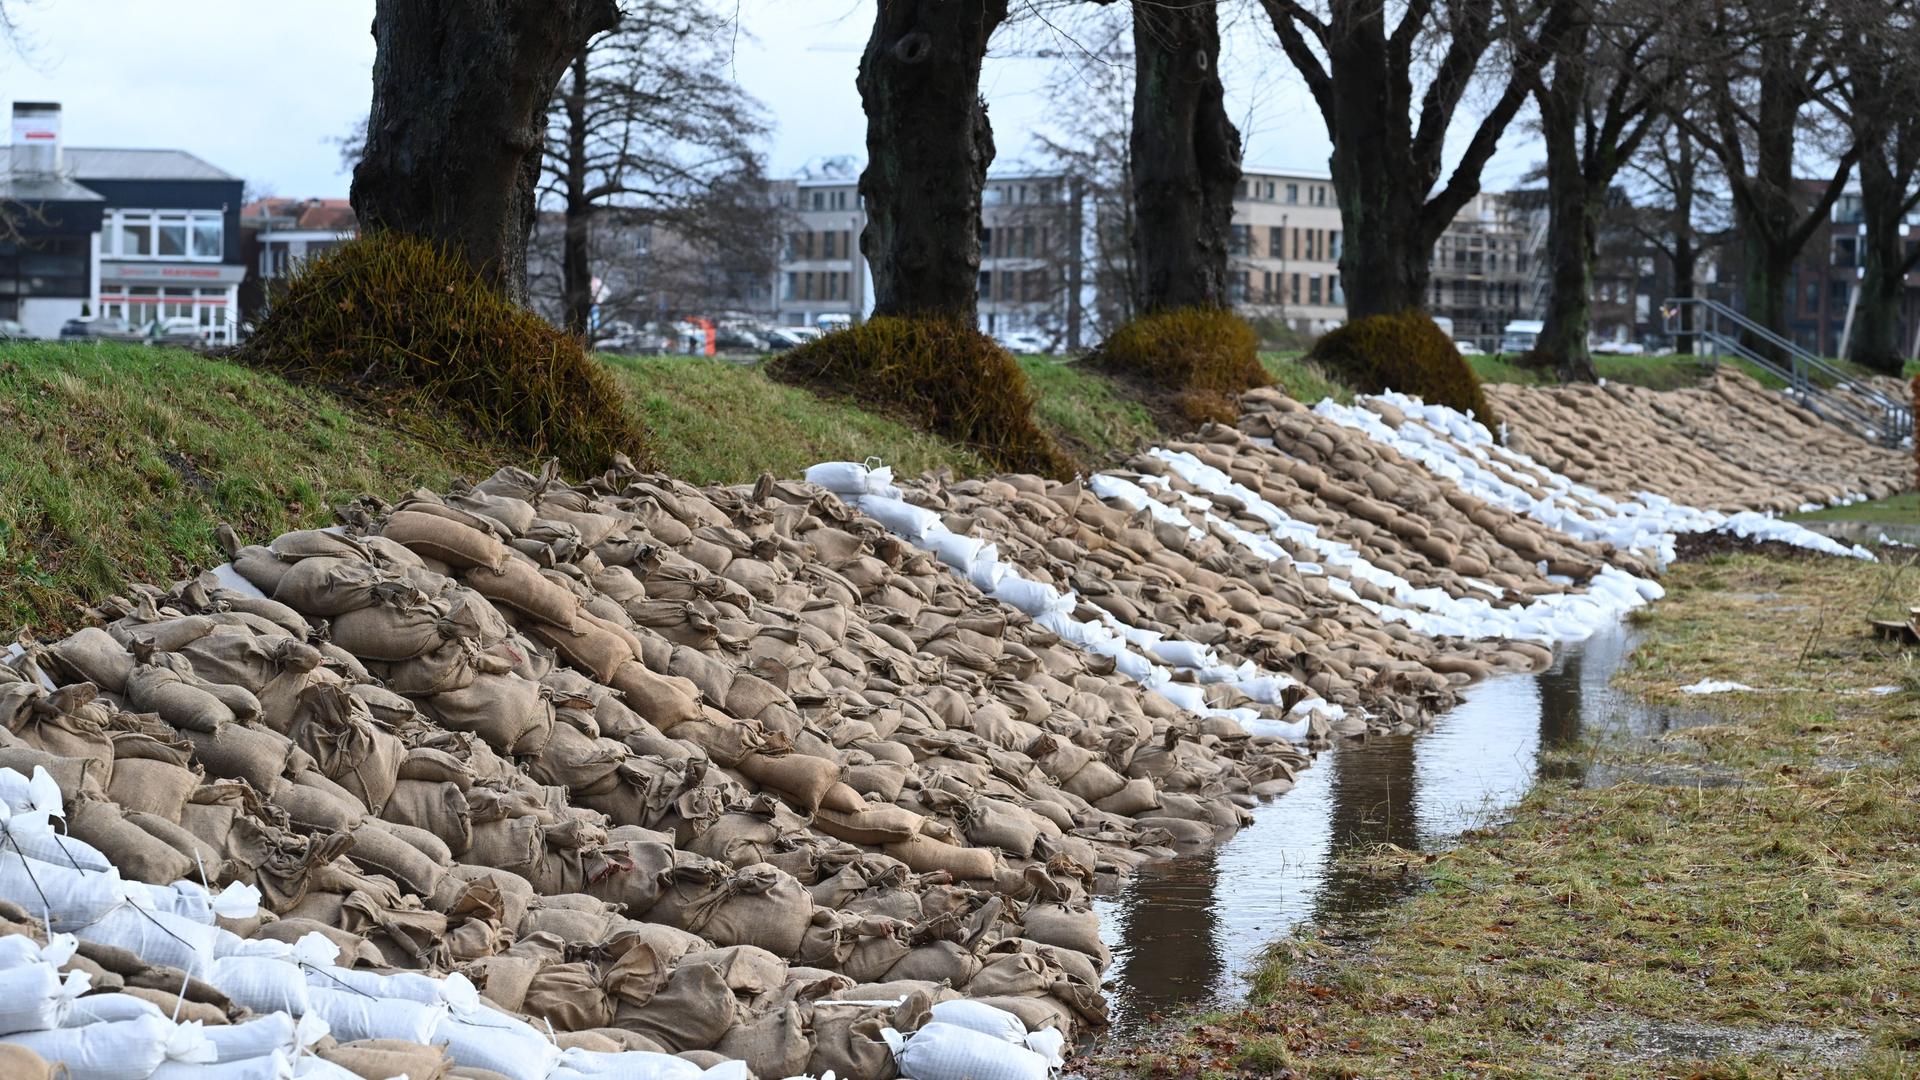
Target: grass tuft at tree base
{"x": 387, "y": 313}
{"x": 1407, "y": 352}
{"x": 1203, "y": 357}
{"x": 941, "y": 374}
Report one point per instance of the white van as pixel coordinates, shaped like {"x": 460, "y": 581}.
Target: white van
{"x": 1521, "y": 335}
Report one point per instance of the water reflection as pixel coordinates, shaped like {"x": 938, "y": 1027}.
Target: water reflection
{"x": 1187, "y": 931}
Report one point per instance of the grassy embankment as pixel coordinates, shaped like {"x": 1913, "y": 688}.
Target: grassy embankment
{"x": 1738, "y": 899}
{"x": 1901, "y": 509}
{"x": 1663, "y": 372}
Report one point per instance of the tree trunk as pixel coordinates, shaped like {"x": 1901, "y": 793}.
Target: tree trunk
{"x": 1686, "y": 261}
{"x": 1186, "y": 157}
{"x": 1385, "y": 263}
{"x": 576, "y": 274}
{"x": 1769, "y": 268}
{"x": 1572, "y": 220}
{"x": 460, "y": 96}
{"x": 928, "y": 148}
{"x": 1876, "y": 321}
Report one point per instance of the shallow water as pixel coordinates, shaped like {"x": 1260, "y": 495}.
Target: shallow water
{"x": 1186, "y": 932}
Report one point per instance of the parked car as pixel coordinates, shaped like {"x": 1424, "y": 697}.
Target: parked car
{"x": 1520, "y": 336}
{"x": 102, "y": 330}
{"x": 1025, "y": 342}
{"x": 1468, "y": 348}
{"x": 782, "y": 338}
{"x": 179, "y": 331}
{"x": 738, "y": 339}
{"x": 11, "y": 330}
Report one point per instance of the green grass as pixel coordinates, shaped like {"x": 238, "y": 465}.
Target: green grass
{"x": 1304, "y": 381}
{"x": 1085, "y": 411}
{"x": 717, "y": 422}
{"x": 1654, "y": 924}
{"x": 117, "y": 462}
{"x": 1901, "y": 509}
{"x": 1665, "y": 372}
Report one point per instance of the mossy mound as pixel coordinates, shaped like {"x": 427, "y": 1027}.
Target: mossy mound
{"x": 942, "y": 375}
{"x": 1204, "y": 356}
{"x": 388, "y": 314}
{"x": 1407, "y": 352}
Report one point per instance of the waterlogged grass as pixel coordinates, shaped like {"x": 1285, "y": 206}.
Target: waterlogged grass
{"x": 1085, "y": 411}
{"x": 118, "y": 461}
{"x": 1737, "y": 901}
{"x": 718, "y": 422}
{"x": 1901, "y": 509}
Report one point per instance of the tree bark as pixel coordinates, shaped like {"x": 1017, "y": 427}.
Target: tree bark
{"x": 1685, "y": 259}
{"x": 1186, "y": 157}
{"x": 928, "y": 147}
{"x": 576, "y": 274}
{"x": 1883, "y": 285}
{"x": 460, "y": 96}
{"x": 1572, "y": 223}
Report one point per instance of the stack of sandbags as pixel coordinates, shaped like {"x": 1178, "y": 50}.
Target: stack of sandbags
{"x": 1728, "y": 444}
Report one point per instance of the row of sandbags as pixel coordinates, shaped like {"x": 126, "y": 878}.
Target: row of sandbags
{"x": 1728, "y": 444}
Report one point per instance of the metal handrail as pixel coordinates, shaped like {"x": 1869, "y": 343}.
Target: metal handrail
{"x": 1876, "y": 415}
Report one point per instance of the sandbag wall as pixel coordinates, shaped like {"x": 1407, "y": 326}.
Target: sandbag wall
{"x": 669, "y": 766}
{"x": 1728, "y": 445}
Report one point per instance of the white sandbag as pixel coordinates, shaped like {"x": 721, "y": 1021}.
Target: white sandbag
{"x": 110, "y": 1009}
{"x": 34, "y": 998}
{"x": 486, "y": 1039}
{"x": 48, "y": 845}
{"x": 261, "y": 983}
{"x": 21, "y": 793}
{"x": 265, "y": 1035}
{"x": 852, "y": 478}
{"x": 900, "y": 517}
{"x": 273, "y": 1066}
{"x": 156, "y": 937}
{"x": 454, "y": 990}
{"x": 981, "y": 1017}
{"x": 19, "y": 949}
{"x": 127, "y": 1050}
{"x": 316, "y": 1068}
{"x": 1035, "y": 598}
{"x": 948, "y": 1052}
{"x": 190, "y": 900}
{"x": 578, "y": 1064}
{"x": 352, "y": 1016}
{"x": 69, "y": 898}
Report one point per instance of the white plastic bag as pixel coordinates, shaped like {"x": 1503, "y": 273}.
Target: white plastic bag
{"x": 157, "y": 938}
{"x": 33, "y": 997}
{"x": 262, "y": 983}
{"x": 900, "y": 518}
{"x": 69, "y": 898}
{"x": 273, "y": 1066}
{"x": 265, "y": 1035}
{"x": 111, "y": 1009}
{"x": 351, "y": 1016}
{"x": 942, "y": 1051}
{"x": 1003, "y": 1025}
{"x": 578, "y": 1064}
{"x": 486, "y": 1039}
{"x": 127, "y": 1050}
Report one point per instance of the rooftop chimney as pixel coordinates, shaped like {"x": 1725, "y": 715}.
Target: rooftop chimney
{"x": 36, "y": 138}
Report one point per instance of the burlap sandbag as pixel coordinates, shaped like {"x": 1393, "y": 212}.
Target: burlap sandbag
{"x": 1139, "y": 796}
{"x": 137, "y": 854}
{"x": 1055, "y": 924}
{"x": 254, "y": 754}
{"x": 327, "y": 588}
{"x": 154, "y": 787}
{"x": 377, "y": 848}
{"x": 758, "y": 905}
{"x": 773, "y": 1043}
{"x": 20, "y": 1063}
{"x": 348, "y": 745}
{"x": 693, "y": 1011}
{"x": 924, "y": 855}
{"x": 155, "y": 689}
{"x": 520, "y": 587}
{"x": 661, "y": 700}
{"x": 447, "y": 541}
{"x": 874, "y": 825}
{"x": 569, "y": 997}
{"x": 802, "y": 778}
{"x": 92, "y": 655}
{"x": 380, "y": 1059}
{"x": 514, "y": 715}
{"x": 998, "y": 824}
{"x": 439, "y": 808}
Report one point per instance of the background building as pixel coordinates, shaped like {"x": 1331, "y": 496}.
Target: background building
{"x": 1285, "y": 251}
{"x": 130, "y": 234}
{"x": 276, "y": 234}
{"x": 1481, "y": 270}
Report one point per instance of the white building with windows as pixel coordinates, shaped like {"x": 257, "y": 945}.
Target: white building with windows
{"x": 136, "y": 234}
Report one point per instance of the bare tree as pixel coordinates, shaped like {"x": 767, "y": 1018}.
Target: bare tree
{"x": 1681, "y": 209}
{"x": 1598, "y": 98}
{"x": 1185, "y": 154}
{"x": 1763, "y": 109}
{"x": 928, "y": 147}
{"x": 1389, "y": 139}
{"x": 1881, "y": 89}
{"x": 646, "y": 127}
{"x": 454, "y": 136}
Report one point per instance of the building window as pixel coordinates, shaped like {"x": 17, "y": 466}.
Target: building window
{"x": 1240, "y": 240}
{"x": 986, "y": 238}
{"x": 1313, "y": 289}
{"x": 178, "y": 234}
{"x": 1293, "y": 289}
{"x": 986, "y": 283}
{"x": 829, "y": 245}
{"x": 1335, "y": 294}
{"x": 1237, "y": 287}
{"x": 1846, "y": 251}
{"x": 1277, "y": 242}
{"x": 1293, "y": 193}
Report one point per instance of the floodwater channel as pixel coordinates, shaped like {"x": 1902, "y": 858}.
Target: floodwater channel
{"x": 1185, "y": 933}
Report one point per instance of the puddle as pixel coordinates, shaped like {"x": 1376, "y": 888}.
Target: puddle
{"x": 1186, "y": 932}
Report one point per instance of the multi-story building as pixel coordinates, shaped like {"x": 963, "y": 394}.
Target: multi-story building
{"x": 277, "y": 234}
{"x": 1826, "y": 275}
{"x": 1028, "y": 243}
{"x": 1285, "y": 250}
{"x": 1481, "y": 270}
{"x": 133, "y": 234}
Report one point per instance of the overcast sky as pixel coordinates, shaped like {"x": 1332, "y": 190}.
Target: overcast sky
{"x": 264, "y": 88}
